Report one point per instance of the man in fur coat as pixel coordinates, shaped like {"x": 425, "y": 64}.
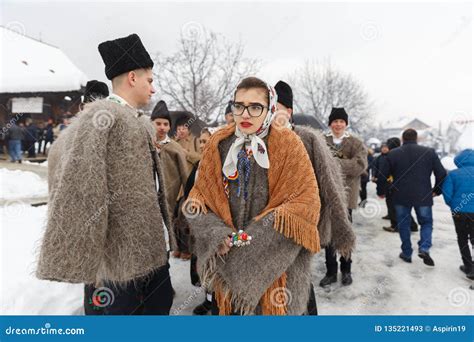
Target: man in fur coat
{"x": 334, "y": 227}
{"x": 175, "y": 171}
{"x": 351, "y": 154}
{"x": 186, "y": 139}
{"x": 108, "y": 216}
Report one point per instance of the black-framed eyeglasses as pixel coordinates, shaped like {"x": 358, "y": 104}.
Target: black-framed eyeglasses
{"x": 254, "y": 110}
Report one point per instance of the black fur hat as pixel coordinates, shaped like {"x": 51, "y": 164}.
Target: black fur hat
{"x": 285, "y": 94}
{"x": 123, "y": 55}
{"x": 338, "y": 113}
{"x": 95, "y": 90}
{"x": 161, "y": 112}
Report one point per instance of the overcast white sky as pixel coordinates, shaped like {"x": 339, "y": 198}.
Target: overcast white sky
{"x": 413, "y": 59}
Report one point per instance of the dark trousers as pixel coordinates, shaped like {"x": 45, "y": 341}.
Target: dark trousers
{"x": 312, "y": 307}
{"x": 46, "y": 143}
{"x": 331, "y": 258}
{"x": 181, "y": 229}
{"x": 193, "y": 271}
{"x": 391, "y": 210}
{"x": 464, "y": 223}
{"x": 31, "y": 149}
{"x": 148, "y": 295}
{"x": 363, "y": 189}
{"x": 40, "y": 144}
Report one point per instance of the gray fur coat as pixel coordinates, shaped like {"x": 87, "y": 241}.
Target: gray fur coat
{"x": 105, "y": 217}
{"x": 334, "y": 226}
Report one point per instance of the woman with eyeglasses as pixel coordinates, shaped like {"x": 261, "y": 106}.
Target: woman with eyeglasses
{"x": 253, "y": 211}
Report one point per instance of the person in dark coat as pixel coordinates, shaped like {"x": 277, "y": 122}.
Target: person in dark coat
{"x": 31, "y": 137}
{"x": 15, "y": 136}
{"x": 458, "y": 192}
{"x": 365, "y": 178}
{"x": 41, "y": 136}
{"x": 383, "y": 186}
{"x": 411, "y": 166}
{"x": 48, "y": 135}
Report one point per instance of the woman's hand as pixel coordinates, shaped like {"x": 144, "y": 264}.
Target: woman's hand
{"x": 224, "y": 248}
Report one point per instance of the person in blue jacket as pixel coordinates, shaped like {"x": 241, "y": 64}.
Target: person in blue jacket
{"x": 458, "y": 193}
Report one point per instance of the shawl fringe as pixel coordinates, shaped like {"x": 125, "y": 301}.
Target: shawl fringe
{"x": 273, "y": 302}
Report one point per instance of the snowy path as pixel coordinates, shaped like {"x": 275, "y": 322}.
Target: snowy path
{"x": 383, "y": 284}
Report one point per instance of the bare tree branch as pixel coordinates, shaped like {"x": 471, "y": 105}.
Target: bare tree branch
{"x": 318, "y": 87}
{"x": 200, "y": 76}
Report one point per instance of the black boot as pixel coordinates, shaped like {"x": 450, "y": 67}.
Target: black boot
{"x": 426, "y": 258}
{"x": 391, "y": 229}
{"x": 468, "y": 271}
{"x": 328, "y": 280}
{"x": 346, "y": 279}
{"x": 404, "y": 257}
{"x": 203, "y": 309}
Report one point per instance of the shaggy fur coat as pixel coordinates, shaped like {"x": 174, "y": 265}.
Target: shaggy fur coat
{"x": 105, "y": 216}
{"x": 334, "y": 226}
{"x": 352, "y": 156}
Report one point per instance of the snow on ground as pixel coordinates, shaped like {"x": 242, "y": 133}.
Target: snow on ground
{"x": 44, "y": 164}
{"x": 383, "y": 284}
{"x": 16, "y": 184}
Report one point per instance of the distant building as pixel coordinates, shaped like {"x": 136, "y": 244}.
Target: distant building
{"x": 37, "y": 80}
{"x": 395, "y": 128}
{"x": 460, "y": 135}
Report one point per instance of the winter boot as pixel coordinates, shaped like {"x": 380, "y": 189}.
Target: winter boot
{"x": 328, "y": 280}
{"x": 426, "y": 258}
{"x": 203, "y": 309}
{"x": 405, "y": 258}
{"x": 346, "y": 279}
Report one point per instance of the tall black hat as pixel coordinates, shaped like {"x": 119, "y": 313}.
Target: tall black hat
{"x": 123, "y": 55}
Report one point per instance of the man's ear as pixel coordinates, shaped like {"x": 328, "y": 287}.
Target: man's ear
{"x": 290, "y": 111}
{"x": 132, "y": 78}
